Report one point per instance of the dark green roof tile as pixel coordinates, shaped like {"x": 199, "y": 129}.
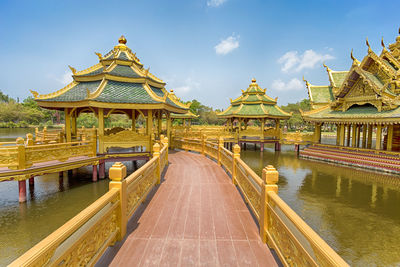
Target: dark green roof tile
{"x": 124, "y": 71}
{"x": 76, "y": 93}
{"x": 122, "y": 92}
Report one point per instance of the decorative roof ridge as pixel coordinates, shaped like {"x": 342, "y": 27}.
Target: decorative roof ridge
{"x": 88, "y": 70}
{"x": 224, "y": 111}
{"x": 378, "y": 59}
{"x": 390, "y": 58}
{"x": 239, "y": 109}
{"x": 98, "y": 91}
{"x": 152, "y": 94}
{"x": 362, "y": 73}
{"x": 284, "y": 112}
{"x": 313, "y": 111}
{"x": 171, "y": 96}
{"x": 263, "y": 109}
{"x": 68, "y": 87}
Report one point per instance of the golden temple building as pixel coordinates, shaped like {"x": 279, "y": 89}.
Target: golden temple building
{"x": 118, "y": 84}
{"x": 361, "y": 102}
{"x": 254, "y": 104}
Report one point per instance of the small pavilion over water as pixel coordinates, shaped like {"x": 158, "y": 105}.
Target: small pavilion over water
{"x": 118, "y": 84}
{"x": 254, "y": 104}
{"x": 361, "y": 101}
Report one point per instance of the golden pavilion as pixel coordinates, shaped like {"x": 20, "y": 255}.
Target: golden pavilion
{"x": 254, "y": 104}
{"x": 361, "y": 101}
{"x": 118, "y": 84}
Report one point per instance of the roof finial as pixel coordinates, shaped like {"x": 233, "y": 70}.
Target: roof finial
{"x": 325, "y": 66}
{"x": 307, "y": 83}
{"x": 355, "y": 61}
{"x": 122, "y": 40}
{"x": 367, "y": 43}
{"x": 253, "y": 80}
{"x": 382, "y": 43}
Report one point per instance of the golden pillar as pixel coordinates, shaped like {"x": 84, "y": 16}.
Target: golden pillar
{"x": 354, "y": 136}
{"x": 100, "y": 118}
{"x": 378, "y": 137}
{"x": 342, "y": 128}
{"x": 149, "y": 122}
{"x": 73, "y": 124}
{"x": 364, "y": 136}
{"x": 262, "y": 127}
{"x": 348, "y": 134}
{"x": 389, "y": 141}
{"x": 67, "y": 125}
{"x": 133, "y": 116}
{"x": 337, "y": 134}
{"x": 169, "y": 127}
{"x": 369, "y": 138}
{"x": 159, "y": 122}
{"x": 317, "y": 132}
{"x": 358, "y": 135}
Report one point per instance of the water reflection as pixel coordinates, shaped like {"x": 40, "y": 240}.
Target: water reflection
{"x": 52, "y": 201}
{"x": 355, "y": 211}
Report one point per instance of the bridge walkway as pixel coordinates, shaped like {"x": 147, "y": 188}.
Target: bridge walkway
{"x": 196, "y": 217}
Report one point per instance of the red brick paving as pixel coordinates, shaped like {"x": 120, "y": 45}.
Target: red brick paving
{"x": 196, "y": 218}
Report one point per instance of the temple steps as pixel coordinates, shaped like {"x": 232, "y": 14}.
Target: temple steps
{"x": 362, "y": 159}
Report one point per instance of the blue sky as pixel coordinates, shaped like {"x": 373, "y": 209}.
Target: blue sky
{"x": 204, "y": 49}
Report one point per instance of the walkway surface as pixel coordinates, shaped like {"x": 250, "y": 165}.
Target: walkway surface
{"x": 196, "y": 218}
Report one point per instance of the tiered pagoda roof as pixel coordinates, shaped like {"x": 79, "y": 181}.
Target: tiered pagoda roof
{"x": 368, "y": 93}
{"x": 254, "y": 103}
{"x": 119, "y": 80}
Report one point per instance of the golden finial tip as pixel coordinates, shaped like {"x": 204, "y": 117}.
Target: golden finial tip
{"x": 253, "y": 80}
{"x": 122, "y": 40}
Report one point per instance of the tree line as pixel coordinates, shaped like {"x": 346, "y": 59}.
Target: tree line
{"x": 29, "y": 114}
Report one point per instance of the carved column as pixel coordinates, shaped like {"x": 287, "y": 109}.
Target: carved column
{"x": 337, "y": 134}
{"x": 133, "y": 117}
{"x": 67, "y": 125}
{"x": 364, "y": 137}
{"x": 149, "y": 122}
{"x": 369, "y": 138}
{"x": 378, "y": 137}
{"x": 348, "y": 134}
{"x": 159, "y": 122}
{"x": 389, "y": 138}
{"x": 73, "y": 124}
{"x": 358, "y": 135}
{"x": 342, "y": 128}
{"x": 354, "y": 136}
{"x": 100, "y": 118}
{"x": 169, "y": 126}
{"x": 317, "y": 133}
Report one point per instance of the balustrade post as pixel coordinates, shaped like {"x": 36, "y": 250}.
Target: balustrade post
{"x": 236, "y": 155}
{"x": 156, "y": 154}
{"x": 21, "y": 153}
{"x": 166, "y": 151}
{"x": 220, "y": 146}
{"x": 117, "y": 174}
{"x": 203, "y": 144}
{"x": 270, "y": 177}
{"x": 44, "y": 133}
{"x": 36, "y": 134}
{"x": 29, "y": 139}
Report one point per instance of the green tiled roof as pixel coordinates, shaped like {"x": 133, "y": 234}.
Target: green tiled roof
{"x": 362, "y": 112}
{"x": 255, "y": 110}
{"x": 124, "y": 71}
{"x": 122, "y": 92}
{"x": 157, "y": 91}
{"x": 387, "y": 63}
{"x": 374, "y": 78}
{"x": 76, "y": 93}
{"x": 321, "y": 94}
{"x": 338, "y": 77}
{"x": 95, "y": 72}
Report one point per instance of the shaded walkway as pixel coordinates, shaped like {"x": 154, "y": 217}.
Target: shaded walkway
{"x": 196, "y": 217}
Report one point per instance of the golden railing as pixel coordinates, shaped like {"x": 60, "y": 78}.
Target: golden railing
{"x": 83, "y": 239}
{"x": 26, "y": 153}
{"x": 46, "y": 136}
{"x": 280, "y": 227}
{"x": 358, "y": 149}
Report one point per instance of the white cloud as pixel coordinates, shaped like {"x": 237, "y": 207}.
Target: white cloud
{"x": 293, "y": 85}
{"x": 292, "y": 61}
{"x": 215, "y": 3}
{"x": 66, "y": 78}
{"x": 228, "y": 45}
{"x": 182, "y": 88}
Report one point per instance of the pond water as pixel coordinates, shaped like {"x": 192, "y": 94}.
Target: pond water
{"x": 356, "y": 212}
